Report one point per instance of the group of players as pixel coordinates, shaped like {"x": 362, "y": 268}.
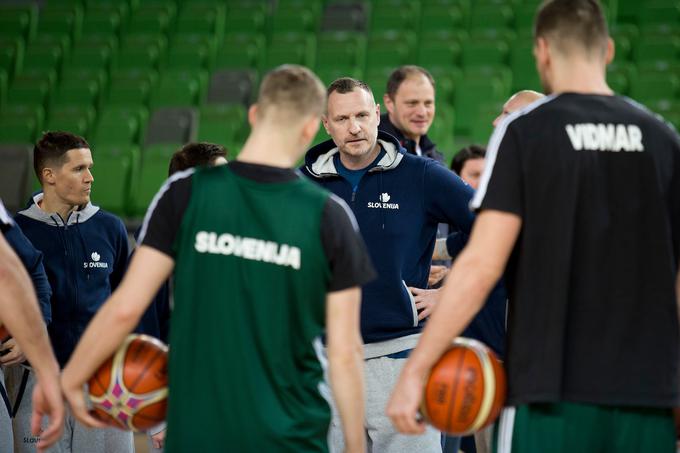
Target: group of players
{"x": 277, "y": 272}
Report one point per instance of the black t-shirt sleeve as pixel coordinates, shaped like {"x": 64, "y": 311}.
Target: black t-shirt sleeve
{"x": 501, "y": 186}
{"x": 164, "y": 217}
{"x": 675, "y": 199}
{"x": 344, "y": 247}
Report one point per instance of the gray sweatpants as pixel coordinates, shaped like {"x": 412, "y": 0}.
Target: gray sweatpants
{"x": 6, "y": 439}
{"x": 76, "y": 438}
{"x": 380, "y": 375}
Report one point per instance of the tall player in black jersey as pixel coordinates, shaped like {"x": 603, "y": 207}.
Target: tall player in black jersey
{"x": 581, "y": 200}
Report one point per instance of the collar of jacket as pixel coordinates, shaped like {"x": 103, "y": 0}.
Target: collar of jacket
{"x": 426, "y": 145}
{"x": 322, "y": 165}
{"x": 82, "y": 214}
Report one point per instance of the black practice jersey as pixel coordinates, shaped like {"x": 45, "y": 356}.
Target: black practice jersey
{"x": 593, "y": 316}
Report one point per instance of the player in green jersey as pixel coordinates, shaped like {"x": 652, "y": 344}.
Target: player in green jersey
{"x": 263, "y": 260}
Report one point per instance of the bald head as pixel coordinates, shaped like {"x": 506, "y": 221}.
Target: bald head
{"x": 516, "y": 102}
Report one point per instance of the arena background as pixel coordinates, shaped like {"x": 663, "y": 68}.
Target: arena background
{"x": 138, "y": 78}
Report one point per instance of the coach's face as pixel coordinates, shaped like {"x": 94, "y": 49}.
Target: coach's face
{"x": 73, "y": 179}
{"x": 352, "y": 121}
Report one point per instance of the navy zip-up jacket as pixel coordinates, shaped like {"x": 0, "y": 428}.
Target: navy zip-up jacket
{"x": 398, "y": 204}
{"x": 32, "y": 259}
{"x": 85, "y": 258}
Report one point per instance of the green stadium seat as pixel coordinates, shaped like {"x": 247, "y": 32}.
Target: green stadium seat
{"x": 241, "y": 50}
{"x": 649, "y": 49}
{"x": 328, "y": 74}
{"x": 340, "y": 49}
{"x": 193, "y": 51}
{"x": 490, "y": 16}
{"x": 444, "y": 16}
{"x": 376, "y": 78}
{"x": 482, "y": 126}
{"x": 441, "y": 130}
{"x": 42, "y": 57}
{"x": 120, "y": 7}
{"x": 345, "y": 16}
{"x": 245, "y": 19}
{"x": 473, "y": 91}
{"x": 158, "y": 41}
{"x": 221, "y": 123}
{"x": 446, "y": 80}
{"x": 391, "y": 48}
{"x": 153, "y": 172}
{"x": 131, "y": 87}
{"x": 659, "y": 12}
{"x": 103, "y": 20}
{"x": 523, "y": 66}
{"x": 484, "y": 53}
{"x": 90, "y": 55}
{"x": 500, "y": 72}
{"x": 395, "y": 15}
{"x": 439, "y": 52}
{"x": 11, "y": 54}
{"x": 66, "y": 21}
{"x": 204, "y": 19}
{"x": 524, "y": 15}
{"x": 295, "y": 20}
{"x": 149, "y": 21}
{"x": 652, "y": 86}
{"x": 298, "y": 48}
{"x": 115, "y": 167}
{"x": 178, "y": 88}
{"x": 20, "y": 123}
{"x": 80, "y": 86}
{"x": 73, "y": 118}
{"x": 231, "y": 86}
{"x": 120, "y": 126}
{"x": 31, "y": 87}
{"x": 18, "y": 21}
{"x": 4, "y": 86}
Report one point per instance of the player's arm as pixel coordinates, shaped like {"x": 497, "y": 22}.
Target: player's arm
{"x": 19, "y": 311}
{"x": 345, "y": 358}
{"x": 473, "y": 275}
{"x": 120, "y": 314}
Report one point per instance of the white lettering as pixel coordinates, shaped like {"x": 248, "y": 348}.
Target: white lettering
{"x": 605, "y": 137}
{"x": 246, "y": 248}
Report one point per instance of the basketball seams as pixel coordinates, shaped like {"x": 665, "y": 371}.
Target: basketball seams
{"x": 454, "y": 390}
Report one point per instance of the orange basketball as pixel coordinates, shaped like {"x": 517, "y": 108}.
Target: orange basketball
{"x": 129, "y": 390}
{"x": 465, "y": 390}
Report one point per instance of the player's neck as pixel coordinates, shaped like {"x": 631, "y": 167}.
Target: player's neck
{"x": 51, "y": 203}
{"x": 579, "y": 76}
{"x": 269, "y": 148}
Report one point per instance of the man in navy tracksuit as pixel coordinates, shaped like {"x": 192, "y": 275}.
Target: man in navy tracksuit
{"x": 85, "y": 255}
{"x": 398, "y": 200}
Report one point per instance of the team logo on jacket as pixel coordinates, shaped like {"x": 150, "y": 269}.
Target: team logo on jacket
{"x": 384, "y": 202}
{"x": 95, "y": 257}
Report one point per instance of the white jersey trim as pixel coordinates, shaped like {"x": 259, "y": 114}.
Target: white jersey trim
{"x": 5, "y": 218}
{"x": 506, "y": 426}
{"x": 495, "y": 142}
{"x": 164, "y": 188}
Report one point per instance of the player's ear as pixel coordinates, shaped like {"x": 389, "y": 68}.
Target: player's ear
{"x": 324, "y": 121}
{"x": 252, "y": 115}
{"x": 611, "y": 51}
{"x": 309, "y": 129}
{"x": 47, "y": 176}
{"x": 389, "y": 103}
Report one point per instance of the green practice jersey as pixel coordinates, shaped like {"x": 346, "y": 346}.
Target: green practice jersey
{"x": 253, "y": 266}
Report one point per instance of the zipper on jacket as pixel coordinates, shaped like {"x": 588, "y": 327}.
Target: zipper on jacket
{"x": 354, "y": 195}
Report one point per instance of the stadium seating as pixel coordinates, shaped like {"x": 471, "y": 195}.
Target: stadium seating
{"x": 141, "y": 77}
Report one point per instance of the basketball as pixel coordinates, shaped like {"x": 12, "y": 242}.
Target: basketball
{"x": 129, "y": 390}
{"x": 465, "y": 390}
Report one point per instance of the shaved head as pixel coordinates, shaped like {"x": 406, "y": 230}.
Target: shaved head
{"x": 516, "y": 102}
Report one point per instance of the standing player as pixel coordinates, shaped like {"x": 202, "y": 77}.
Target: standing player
{"x": 257, "y": 250}
{"x": 85, "y": 252}
{"x": 592, "y": 183}
{"x": 398, "y": 199}
{"x": 19, "y": 312}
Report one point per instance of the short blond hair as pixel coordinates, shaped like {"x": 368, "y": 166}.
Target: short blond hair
{"x": 292, "y": 89}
